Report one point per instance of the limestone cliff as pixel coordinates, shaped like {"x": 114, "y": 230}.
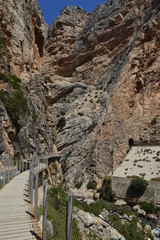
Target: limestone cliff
{"x": 102, "y": 81}
{"x": 23, "y": 132}
{"x": 95, "y": 75}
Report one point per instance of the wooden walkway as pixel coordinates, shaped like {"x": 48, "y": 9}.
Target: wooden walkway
{"x": 17, "y": 220}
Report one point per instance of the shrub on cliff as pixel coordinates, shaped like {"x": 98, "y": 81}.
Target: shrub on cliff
{"x": 61, "y": 122}
{"x": 14, "y": 101}
{"x": 139, "y": 184}
{"x": 137, "y": 187}
{"x": 148, "y": 207}
{"x": 92, "y": 185}
{"x": 105, "y": 191}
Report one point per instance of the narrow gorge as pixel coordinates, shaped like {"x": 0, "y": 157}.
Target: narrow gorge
{"x": 84, "y": 87}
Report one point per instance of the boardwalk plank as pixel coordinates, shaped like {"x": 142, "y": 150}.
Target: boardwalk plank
{"x": 15, "y": 221}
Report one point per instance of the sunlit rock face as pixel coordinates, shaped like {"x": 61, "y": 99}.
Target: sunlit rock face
{"x": 101, "y": 74}
{"x": 91, "y": 81}
{"x": 23, "y": 29}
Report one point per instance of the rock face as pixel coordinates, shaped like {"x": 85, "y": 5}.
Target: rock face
{"x": 96, "y": 76}
{"x": 22, "y": 34}
{"x": 102, "y": 78}
{"x": 95, "y": 226}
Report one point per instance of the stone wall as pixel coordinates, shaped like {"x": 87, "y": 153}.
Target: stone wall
{"x": 120, "y": 186}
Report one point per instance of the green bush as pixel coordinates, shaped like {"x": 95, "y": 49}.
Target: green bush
{"x": 61, "y": 122}
{"x": 105, "y": 191}
{"x": 148, "y": 207}
{"x": 98, "y": 206}
{"x": 15, "y": 82}
{"x": 92, "y": 185}
{"x": 139, "y": 184}
{"x": 15, "y": 101}
{"x": 137, "y": 187}
{"x": 2, "y": 42}
{"x": 81, "y": 205}
{"x": 128, "y": 230}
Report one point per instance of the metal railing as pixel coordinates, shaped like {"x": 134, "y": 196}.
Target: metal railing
{"x": 36, "y": 166}
{"x": 57, "y": 214}
{"x": 10, "y": 168}
{"x": 58, "y": 211}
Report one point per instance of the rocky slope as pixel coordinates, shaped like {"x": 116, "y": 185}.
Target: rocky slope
{"x": 95, "y": 75}
{"x": 102, "y": 81}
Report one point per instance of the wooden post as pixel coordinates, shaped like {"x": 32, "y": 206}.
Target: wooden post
{"x": 36, "y": 196}
{"x": 4, "y": 174}
{"x": 69, "y": 217}
{"x": 44, "y": 230}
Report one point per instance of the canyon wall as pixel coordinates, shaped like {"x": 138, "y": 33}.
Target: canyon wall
{"x": 102, "y": 82}
{"x": 26, "y": 127}
{"x": 91, "y": 80}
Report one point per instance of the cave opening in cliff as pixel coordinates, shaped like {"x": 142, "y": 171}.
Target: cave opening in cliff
{"x": 130, "y": 142}
{"x": 39, "y": 41}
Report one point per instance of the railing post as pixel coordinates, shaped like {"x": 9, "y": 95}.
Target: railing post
{"x": 69, "y": 217}
{"x": 12, "y": 168}
{"x": 26, "y": 165}
{"x": 20, "y": 164}
{"x": 44, "y": 230}
{"x": 36, "y": 196}
{"x": 4, "y": 174}
{"x": 8, "y": 171}
{"x": 0, "y": 174}
{"x": 16, "y": 167}
{"x": 31, "y": 185}
{"x": 0, "y": 170}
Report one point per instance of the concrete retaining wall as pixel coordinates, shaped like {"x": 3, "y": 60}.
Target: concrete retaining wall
{"x": 120, "y": 186}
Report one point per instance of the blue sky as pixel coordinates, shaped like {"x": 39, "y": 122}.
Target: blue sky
{"x": 52, "y": 8}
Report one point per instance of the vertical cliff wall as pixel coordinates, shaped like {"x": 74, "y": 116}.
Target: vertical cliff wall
{"x": 26, "y": 127}
{"x": 102, "y": 84}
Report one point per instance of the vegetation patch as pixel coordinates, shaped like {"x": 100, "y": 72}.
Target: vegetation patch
{"x": 92, "y": 185}
{"x": 137, "y": 187}
{"x": 56, "y": 214}
{"x": 61, "y": 122}
{"x": 2, "y": 42}
{"x": 105, "y": 191}
{"x": 14, "y": 101}
{"x": 148, "y": 207}
{"x": 128, "y": 230}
